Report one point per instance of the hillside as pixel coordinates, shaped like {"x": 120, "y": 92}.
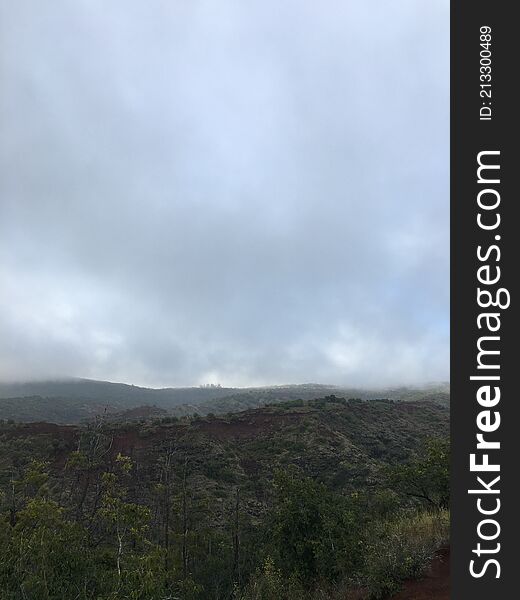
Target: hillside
{"x": 114, "y": 395}
{"x": 214, "y": 497}
{"x": 329, "y": 438}
{"x": 79, "y": 400}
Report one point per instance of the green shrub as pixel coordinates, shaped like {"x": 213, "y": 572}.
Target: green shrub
{"x": 268, "y": 583}
{"x": 401, "y": 549}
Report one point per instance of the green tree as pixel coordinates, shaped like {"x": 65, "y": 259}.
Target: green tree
{"x": 314, "y": 531}
{"x": 126, "y": 521}
{"x": 426, "y": 478}
{"x": 42, "y": 556}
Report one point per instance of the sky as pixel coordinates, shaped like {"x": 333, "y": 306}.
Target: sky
{"x": 243, "y": 193}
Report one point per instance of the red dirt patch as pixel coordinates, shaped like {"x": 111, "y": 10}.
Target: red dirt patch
{"x": 43, "y": 428}
{"x": 435, "y": 585}
{"x": 249, "y": 424}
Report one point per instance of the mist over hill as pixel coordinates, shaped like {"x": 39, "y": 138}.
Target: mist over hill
{"x": 76, "y": 400}
{"x": 114, "y": 393}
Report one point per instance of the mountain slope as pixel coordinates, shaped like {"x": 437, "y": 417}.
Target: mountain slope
{"x": 77, "y": 400}
{"x": 207, "y": 486}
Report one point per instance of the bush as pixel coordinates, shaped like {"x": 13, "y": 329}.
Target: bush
{"x": 314, "y": 532}
{"x": 268, "y": 583}
{"x": 401, "y": 549}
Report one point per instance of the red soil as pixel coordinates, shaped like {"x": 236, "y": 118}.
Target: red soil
{"x": 249, "y": 425}
{"x": 435, "y": 585}
{"x": 42, "y": 428}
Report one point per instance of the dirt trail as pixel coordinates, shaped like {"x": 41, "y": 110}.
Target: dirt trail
{"x": 435, "y": 585}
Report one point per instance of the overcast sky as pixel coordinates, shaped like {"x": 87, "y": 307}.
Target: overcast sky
{"x": 224, "y": 191}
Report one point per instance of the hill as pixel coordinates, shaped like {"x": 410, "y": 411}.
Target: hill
{"x": 329, "y": 438}
{"x": 302, "y": 498}
{"x": 77, "y": 400}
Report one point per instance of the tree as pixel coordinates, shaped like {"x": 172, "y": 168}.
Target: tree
{"x": 426, "y": 478}
{"x": 313, "y": 530}
{"x": 125, "y": 520}
{"x": 42, "y": 556}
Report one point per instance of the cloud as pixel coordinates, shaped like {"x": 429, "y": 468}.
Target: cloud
{"x": 243, "y": 192}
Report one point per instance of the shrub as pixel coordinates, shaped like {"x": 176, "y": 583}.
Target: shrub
{"x": 401, "y": 549}
{"x": 268, "y": 583}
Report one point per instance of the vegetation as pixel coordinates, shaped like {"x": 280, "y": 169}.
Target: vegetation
{"x": 302, "y": 499}
{"x": 81, "y": 400}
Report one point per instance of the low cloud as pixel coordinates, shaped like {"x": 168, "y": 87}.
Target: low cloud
{"x": 238, "y": 192}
